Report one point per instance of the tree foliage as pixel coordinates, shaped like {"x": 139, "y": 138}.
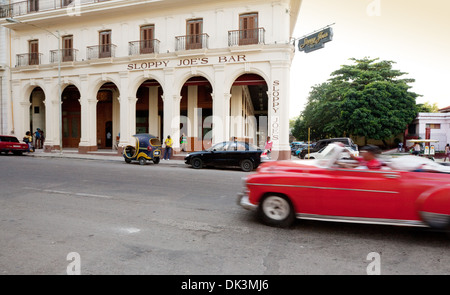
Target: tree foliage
{"x": 367, "y": 98}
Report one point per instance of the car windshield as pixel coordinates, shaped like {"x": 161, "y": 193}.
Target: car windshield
{"x": 8, "y": 139}
{"x": 232, "y": 146}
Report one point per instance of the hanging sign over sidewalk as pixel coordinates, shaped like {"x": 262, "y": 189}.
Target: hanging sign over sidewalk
{"x": 316, "y": 40}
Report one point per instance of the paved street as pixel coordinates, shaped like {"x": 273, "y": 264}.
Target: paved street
{"x": 170, "y": 219}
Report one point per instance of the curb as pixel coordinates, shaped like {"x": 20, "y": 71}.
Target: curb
{"x": 100, "y": 157}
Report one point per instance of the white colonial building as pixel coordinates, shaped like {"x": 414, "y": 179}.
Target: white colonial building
{"x": 87, "y": 71}
{"x": 438, "y": 125}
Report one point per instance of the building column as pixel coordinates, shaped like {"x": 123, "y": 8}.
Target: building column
{"x": 221, "y": 107}
{"x": 153, "y": 116}
{"x": 88, "y": 103}
{"x": 192, "y": 120}
{"x": 88, "y": 141}
{"x": 279, "y": 109}
{"x": 221, "y": 117}
{"x": 171, "y": 110}
{"x": 236, "y": 111}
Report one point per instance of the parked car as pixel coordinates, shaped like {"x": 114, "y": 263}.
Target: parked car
{"x": 147, "y": 148}
{"x": 295, "y": 145}
{"x": 324, "y": 142}
{"x": 10, "y": 144}
{"x": 325, "y": 152}
{"x": 410, "y": 191}
{"x": 302, "y": 147}
{"x": 227, "y": 153}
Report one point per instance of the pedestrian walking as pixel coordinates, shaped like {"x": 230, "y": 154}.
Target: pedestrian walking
{"x": 447, "y": 152}
{"x": 28, "y": 139}
{"x": 416, "y": 149}
{"x": 38, "y": 141}
{"x": 268, "y": 146}
{"x": 168, "y": 149}
{"x": 41, "y": 132}
{"x": 183, "y": 141}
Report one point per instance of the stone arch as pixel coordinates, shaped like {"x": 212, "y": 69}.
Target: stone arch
{"x": 249, "y": 107}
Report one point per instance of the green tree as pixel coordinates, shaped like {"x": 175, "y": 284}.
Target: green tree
{"x": 428, "y": 108}
{"x": 367, "y": 98}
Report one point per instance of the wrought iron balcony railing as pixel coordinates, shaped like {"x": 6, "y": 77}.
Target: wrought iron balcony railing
{"x": 143, "y": 47}
{"x": 189, "y": 42}
{"x": 31, "y": 6}
{"x": 246, "y": 37}
{"x": 28, "y": 59}
{"x": 67, "y": 55}
{"x": 101, "y": 51}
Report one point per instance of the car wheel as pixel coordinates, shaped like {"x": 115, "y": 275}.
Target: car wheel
{"x": 127, "y": 161}
{"x": 246, "y": 165}
{"x": 276, "y": 210}
{"x": 197, "y": 163}
{"x": 156, "y": 160}
{"x": 142, "y": 161}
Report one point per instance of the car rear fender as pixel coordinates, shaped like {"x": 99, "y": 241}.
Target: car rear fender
{"x": 434, "y": 206}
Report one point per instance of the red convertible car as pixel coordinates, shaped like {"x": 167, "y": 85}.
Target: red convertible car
{"x": 10, "y": 144}
{"x": 409, "y": 190}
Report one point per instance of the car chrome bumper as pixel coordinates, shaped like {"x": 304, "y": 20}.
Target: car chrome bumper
{"x": 244, "y": 202}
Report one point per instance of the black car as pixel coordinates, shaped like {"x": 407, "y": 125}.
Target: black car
{"x": 227, "y": 153}
{"x": 324, "y": 142}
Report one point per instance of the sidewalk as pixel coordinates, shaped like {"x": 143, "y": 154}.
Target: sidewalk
{"x": 102, "y": 155}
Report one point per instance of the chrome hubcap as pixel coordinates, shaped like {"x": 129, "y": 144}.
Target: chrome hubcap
{"x": 276, "y": 208}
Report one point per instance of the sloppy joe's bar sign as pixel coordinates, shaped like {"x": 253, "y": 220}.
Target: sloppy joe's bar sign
{"x": 186, "y": 62}
{"x": 315, "y": 41}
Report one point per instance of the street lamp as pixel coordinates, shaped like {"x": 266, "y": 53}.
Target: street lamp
{"x": 57, "y": 36}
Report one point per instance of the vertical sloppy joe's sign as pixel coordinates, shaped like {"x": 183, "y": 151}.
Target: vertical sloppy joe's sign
{"x": 276, "y": 108}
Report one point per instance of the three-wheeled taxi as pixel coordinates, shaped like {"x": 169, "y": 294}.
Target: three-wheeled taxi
{"x": 147, "y": 148}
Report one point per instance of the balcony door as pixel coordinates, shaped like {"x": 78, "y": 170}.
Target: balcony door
{"x": 33, "y": 58}
{"x": 248, "y": 26}
{"x": 194, "y": 34}
{"x": 147, "y": 39}
{"x": 105, "y": 44}
{"x": 33, "y": 5}
{"x": 67, "y": 52}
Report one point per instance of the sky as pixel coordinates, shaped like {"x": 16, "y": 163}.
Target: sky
{"x": 413, "y": 33}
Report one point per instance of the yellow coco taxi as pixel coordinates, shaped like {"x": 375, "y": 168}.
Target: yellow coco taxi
{"x": 147, "y": 148}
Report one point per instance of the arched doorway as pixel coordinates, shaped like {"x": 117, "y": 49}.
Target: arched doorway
{"x": 71, "y": 117}
{"x": 149, "y": 108}
{"x": 249, "y": 109}
{"x": 196, "y": 110}
{"x": 37, "y": 113}
{"x": 108, "y": 113}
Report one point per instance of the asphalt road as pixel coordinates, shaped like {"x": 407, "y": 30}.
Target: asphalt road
{"x": 170, "y": 219}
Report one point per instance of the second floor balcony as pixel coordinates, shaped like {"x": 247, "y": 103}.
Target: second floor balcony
{"x": 67, "y": 55}
{"x": 31, "y": 6}
{"x": 190, "y": 42}
{"x": 101, "y": 51}
{"x": 246, "y": 37}
{"x": 143, "y": 47}
{"x": 28, "y": 59}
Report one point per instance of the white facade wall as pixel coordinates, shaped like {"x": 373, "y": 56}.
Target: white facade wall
{"x": 220, "y": 64}
{"x": 4, "y": 78}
